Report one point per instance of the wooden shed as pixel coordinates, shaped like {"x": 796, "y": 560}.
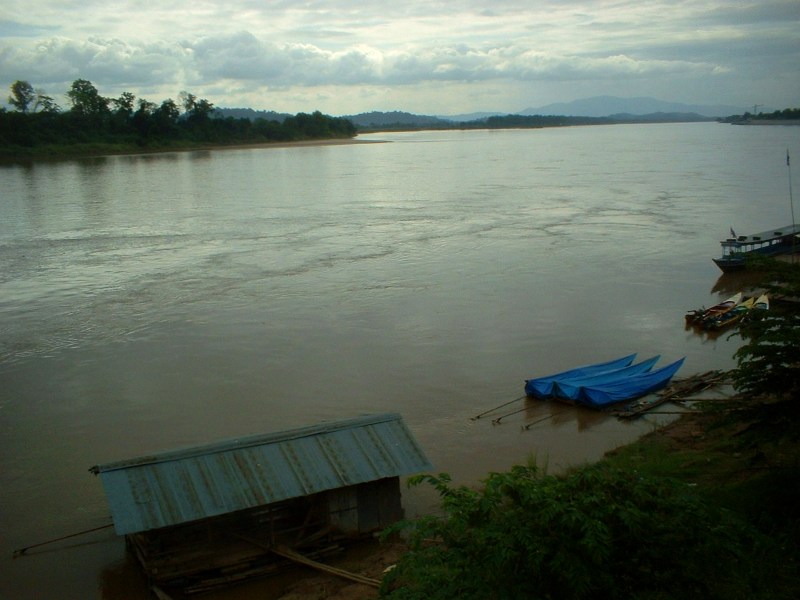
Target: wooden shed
{"x": 211, "y": 515}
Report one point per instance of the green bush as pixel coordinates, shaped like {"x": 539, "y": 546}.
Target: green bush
{"x": 598, "y": 532}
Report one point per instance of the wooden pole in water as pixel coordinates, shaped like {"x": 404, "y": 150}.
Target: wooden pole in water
{"x": 791, "y": 203}
{"x": 22, "y": 551}
{"x": 486, "y": 412}
{"x": 550, "y": 416}
{"x": 497, "y": 420}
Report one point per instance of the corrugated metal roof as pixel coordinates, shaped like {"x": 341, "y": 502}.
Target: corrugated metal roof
{"x": 185, "y": 485}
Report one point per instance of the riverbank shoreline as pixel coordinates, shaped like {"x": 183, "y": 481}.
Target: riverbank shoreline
{"x": 99, "y": 152}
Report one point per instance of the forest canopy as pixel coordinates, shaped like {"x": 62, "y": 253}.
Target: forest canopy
{"x": 37, "y": 125}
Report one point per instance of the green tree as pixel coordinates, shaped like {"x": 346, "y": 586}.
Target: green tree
{"x": 187, "y": 100}
{"x": 598, "y": 532}
{"x": 45, "y": 103}
{"x": 124, "y": 104}
{"x": 769, "y": 362}
{"x": 22, "y": 96}
{"x": 169, "y": 110}
{"x": 86, "y": 100}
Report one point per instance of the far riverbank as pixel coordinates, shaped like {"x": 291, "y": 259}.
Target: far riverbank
{"x": 97, "y": 150}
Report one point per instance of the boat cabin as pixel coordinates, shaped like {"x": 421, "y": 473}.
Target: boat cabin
{"x": 773, "y": 242}
{"x": 208, "y": 516}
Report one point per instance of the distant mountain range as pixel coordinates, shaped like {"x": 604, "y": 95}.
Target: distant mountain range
{"x": 604, "y": 106}
{"x": 611, "y": 107}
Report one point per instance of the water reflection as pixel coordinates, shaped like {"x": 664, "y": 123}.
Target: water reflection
{"x": 738, "y": 281}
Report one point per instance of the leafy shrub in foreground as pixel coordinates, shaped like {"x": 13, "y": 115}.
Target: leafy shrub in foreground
{"x": 596, "y": 533}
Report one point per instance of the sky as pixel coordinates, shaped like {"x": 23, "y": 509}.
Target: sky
{"x": 433, "y": 57}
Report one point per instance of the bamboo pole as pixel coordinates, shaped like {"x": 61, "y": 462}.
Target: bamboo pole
{"x": 550, "y": 416}
{"x": 486, "y": 412}
{"x": 299, "y": 558}
{"x": 159, "y": 593}
{"x": 497, "y": 420}
{"x": 22, "y": 551}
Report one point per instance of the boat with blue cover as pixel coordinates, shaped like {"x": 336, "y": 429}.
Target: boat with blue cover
{"x": 542, "y": 387}
{"x": 628, "y": 388}
{"x": 571, "y": 389}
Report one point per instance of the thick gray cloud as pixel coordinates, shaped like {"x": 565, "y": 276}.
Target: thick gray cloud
{"x": 344, "y": 57}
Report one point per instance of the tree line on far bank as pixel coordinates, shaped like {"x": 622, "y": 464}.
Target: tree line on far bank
{"x": 38, "y": 125}
{"x": 787, "y": 114}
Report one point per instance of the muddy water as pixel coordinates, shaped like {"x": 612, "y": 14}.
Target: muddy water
{"x": 153, "y": 302}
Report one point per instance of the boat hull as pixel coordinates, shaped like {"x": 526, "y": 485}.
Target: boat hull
{"x": 542, "y": 387}
{"x": 570, "y": 389}
{"x": 630, "y": 388}
{"x": 735, "y": 251}
{"x": 731, "y": 317}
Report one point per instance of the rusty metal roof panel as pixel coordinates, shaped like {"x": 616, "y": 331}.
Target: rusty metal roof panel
{"x": 195, "y": 483}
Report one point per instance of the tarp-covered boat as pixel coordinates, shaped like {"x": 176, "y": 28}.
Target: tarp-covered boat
{"x": 570, "y": 389}
{"x": 542, "y": 387}
{"x": 629, "y": 388}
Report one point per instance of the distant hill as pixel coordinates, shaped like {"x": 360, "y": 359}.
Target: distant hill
{"x": 476, "y": 116}
{"x": 661, "y": 117}
{"x": 604, "y": 106}
{"x": 394, "y": 119}
{"x": 249, "y": 113}
{"x": 607, "y": 107}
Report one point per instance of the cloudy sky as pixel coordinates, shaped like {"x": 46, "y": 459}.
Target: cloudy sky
{"x": 428, "y": 57}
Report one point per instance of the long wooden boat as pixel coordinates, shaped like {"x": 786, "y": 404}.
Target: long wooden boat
{"x": 542, "y": 387}
{"x": 762, "y": 302}
{"x": 731, "y": 317}
{"x": 700, "y": 314}
{"x": 736, "y": 249}
{"x": 570, "y": 389}
{"x": 629, "y": 388}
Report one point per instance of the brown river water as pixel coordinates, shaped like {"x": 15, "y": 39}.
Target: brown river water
{"x": 155, "y": 302}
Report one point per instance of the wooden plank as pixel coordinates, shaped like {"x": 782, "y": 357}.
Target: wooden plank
{"x": 677, "y": 391}
{"x": 299, "y": 558}
{"x": 159, "y": 593}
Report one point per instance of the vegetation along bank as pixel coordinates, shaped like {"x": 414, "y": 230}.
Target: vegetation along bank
{"x": 95, "y": 125}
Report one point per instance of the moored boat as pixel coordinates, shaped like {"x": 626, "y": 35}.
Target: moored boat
{"x": 629, "y": 388}
{"x": 698, "y": 315}
{"x": 762, "y": 302}
{"x": 731, "y": 317}
{"x": 736, "y": 249}
{"x": 570, "y": 389}
{"x": 542, "y": 387}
